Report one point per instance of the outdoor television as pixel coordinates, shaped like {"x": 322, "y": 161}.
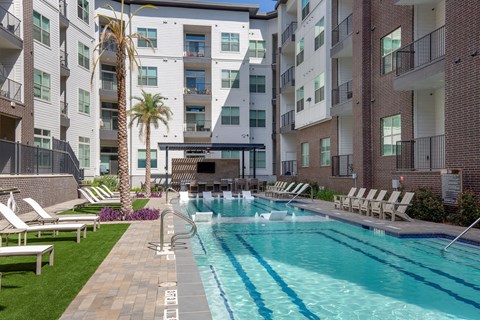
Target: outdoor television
{"x": 205, "y": 167}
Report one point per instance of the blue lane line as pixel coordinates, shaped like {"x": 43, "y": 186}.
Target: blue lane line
{"x": 222, "y": 293}
{"x": 437, "y": 253}
{"x": 202, "y": 245}
{"x": 278, "y": 279}
{"x": 265, "y": 312}
{"x": 418, "y": 264}
{"x": 408, "y": 273}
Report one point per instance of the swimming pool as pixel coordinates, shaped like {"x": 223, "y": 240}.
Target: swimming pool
{"x": 332, "y": 270}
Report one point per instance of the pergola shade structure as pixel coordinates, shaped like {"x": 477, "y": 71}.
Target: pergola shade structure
{"x": 213, "y": 147}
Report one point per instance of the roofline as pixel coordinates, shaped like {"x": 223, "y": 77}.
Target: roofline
{"x": 252, "y": 9}
{"x": 209, "y": 146}
{"x": 279, "y": 2}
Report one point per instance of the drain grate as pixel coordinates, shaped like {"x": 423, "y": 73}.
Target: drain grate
{"x": 171, "y": 297}
{"x": 170, "y": 314}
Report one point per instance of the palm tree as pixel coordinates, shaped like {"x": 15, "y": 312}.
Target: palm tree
{"x": 150, "y": 110}
{"x": 115, "y": 32}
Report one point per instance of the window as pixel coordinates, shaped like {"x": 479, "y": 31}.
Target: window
{"x": 84, "y": 152}
{"x": 390, "y": 43}
{"x": 325, "y": 152}
{"x": 230, "y": 79}
{"x": 195, "y": 82}
{"x": 257, "y": 84}
{"x": 299, "y": 50}
{"x": 150, "y": 34}
{"x": 260, "y": 161}
{"x": 320, "y": 88}
{"x": 256, "y": 49}
{"x": 42, "y": 140}
{"x": 195, "y": 45}
{"x": 230, "y": 42}
{"x": 305, "y": 155}
{"x": 108, "y": 77}
{"x": 41, "y": 28}
{"x": 83, "y": 10}
{"x": 319, "y": 34}
{"x": 110, "y": 115}
{"x": 257, "y": 118}
{"x": 230, "y": 115}
{"x": 142, "y": 159}
{"x": 391, "y": 133}
{"x": 305, "y": 8}
{"x": 300, "y": 101}
{"x": 84, "y": 55}
{"x": 83, "y": 101}
{"x": 147, "y": 76}
{"x": 230, "y": 154}
{"x": 41, "y": 85}
{"x": 195, "y": 119}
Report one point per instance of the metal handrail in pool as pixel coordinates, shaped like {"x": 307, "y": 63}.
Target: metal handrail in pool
{"x": 182, "y": 235}
{"x": 461, "y": 234}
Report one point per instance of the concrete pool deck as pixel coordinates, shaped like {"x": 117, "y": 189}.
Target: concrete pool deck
{"x": 131, "y": 282}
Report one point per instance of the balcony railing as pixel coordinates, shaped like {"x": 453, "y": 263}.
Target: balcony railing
{"x": 198, "y": 126}
{"x": 195, "y": 49}
{"x": 109, "y": 80}
{"x": 63, "y": 59}
{"x": 342, "y": 166}
{"x": 9, "y": 22}
{"x": 109, "y": 45}
{"x": 64, "y": 108}
{"x": 287, "y": 119}
{"x": 343, "y": 30}
{"x": 288, "y": 77}
{"x": 420, "y": 52}
{"x": 342, "y": 93}
{"x": 422, "y": 153}
{"x": 289, "y": 168}
{"x": 62, "y": 7}
{"x": 200, "y": 89}
{"x": 10, "y": 89}
{"x": 289, "y": 33}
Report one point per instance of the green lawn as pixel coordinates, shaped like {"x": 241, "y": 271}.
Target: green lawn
{"x": 93, "y": 209}
{"x": 24, "y": 295}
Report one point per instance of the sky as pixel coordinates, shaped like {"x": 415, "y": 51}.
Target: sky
{"x": 265, "y": 5}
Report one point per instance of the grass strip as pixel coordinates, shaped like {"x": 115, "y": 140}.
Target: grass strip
{"x": 24, "y": 295}
{"x": 95, "y": 208}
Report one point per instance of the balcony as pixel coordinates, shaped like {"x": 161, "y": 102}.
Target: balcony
{"x": 342, "y": 99}
{"x": 287, "y": 81}
{"x": 62, "y": 10}
{"x": 10, "y": 35}
{"x": 201, "y": 92}
{"x": 196, "y": 54}
{"x": 342, "y": 166}
{"x": 64, "y": 70}
{"x": 197, "y": 130}
{"x": 109, "y": 49}
{"x": 421, "y": 64}
{"x": 342, "y": 39}
{"x": 287, "y": 122}
{"x": 288, "y": 38}
{"x": 108, "y": 89}
{"x": 289, "y": 168}
{"x": 64, "y": 120}
{"x": 10, "y": 89}
{"x": 425, "y": 154}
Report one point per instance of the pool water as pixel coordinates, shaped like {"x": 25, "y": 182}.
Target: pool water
{"x": 333, "y": 270}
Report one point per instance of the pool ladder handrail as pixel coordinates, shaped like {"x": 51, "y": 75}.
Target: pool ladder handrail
{"x": 311, "y": 196}
{"x": 182, "y": 235}
{"x": 461, "y": 234}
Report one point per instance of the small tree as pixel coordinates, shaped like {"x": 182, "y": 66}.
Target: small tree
{"x": 150, "y": 110}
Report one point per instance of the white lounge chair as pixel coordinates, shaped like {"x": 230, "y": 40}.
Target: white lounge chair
{"x": 297, "y": 191}
{"x": 287, "y": 189}
{"x": 247, "y": 195}
{"x": 207, "y": 195}
{"x": 227, "y": 195}
{"x": 38, "y": 251}
{"x": 282, "y": 187}
{"x": 113, "y": 194}
{"x": 103, "y": 195}
{"x": 183, "y": 196}
{"x": 337, "y": 199}
{"x": 203, "y": 217}
{"x": 398, "y": 209}
{"x": 274, "y": 215}
{"x": 94, "y": 200}
{"x": 45, "y": 217}
{"x": 17, "y": 223}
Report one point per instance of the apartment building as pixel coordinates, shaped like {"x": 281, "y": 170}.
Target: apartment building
{"x": 213, "y": 69}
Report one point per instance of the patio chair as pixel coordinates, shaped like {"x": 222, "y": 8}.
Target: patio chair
{"x": 297, "y": 192}
{"x": 366, "y": 204}
{"x": 278, "y": 194}
{"x": 18, "y": 223}
{"x": 183, "y": 196}
{"x": 247, "y": 195}
{"x": 113, "y": 194}
{"x": 227, "y": 195}
{"x": 337, "y": 199}
{"x": 102, "y": 195}
{"x": 398, "y": 209}
{"x": 253, "y": 185}
{"x": 87, "y": 193}
{"x": 207, "y": 196}
{"x": 358, "y": 202}
{"x": 274, "y": 215}
{"x": 223, "y": 185}
{"x": 240, "y": 184}
{"x": 37, "y": 250}
{"x": 46, "y": 218}
{"x": 348, "y": 201}
{"x": 288, "y": 188}
{"x": 376, "y": 207}
{"x": 275, "y": 186}
{"x": 193, "y": 186}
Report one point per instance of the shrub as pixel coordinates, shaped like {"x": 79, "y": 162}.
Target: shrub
{"x": 426, "y": 206}
{"x": 110, "y": 181}
{"x": 109, "y": 214}
{"x": 156, "y": 194}
{"x": 468, "y": 209}
{"x": 325, "y": 194}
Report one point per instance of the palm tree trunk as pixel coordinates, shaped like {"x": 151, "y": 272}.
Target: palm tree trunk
{"x": 123, "y": 172}
{"x": 147, "y": 158}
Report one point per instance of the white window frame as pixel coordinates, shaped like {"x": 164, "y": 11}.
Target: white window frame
{"x": 144, "y": 78}
{"x": 389, "y": 53}
{"x": 44, "y": 34}
{"x": 255, "y": 52}
{"x": 257, "y": 86}
{"x": 45, "y": 88}
{"x": 84, "y": 155}
{"x": 230, "y": 43}
{"x": 230, "y": 116}
{"x": 83, "y": 55}
{"x": 231, "y": 81}
{"x": 141, "y": 43}
{"x": 325, "y": 152}
{"x": 389, "y": 134}
{"x": 305, "y": 154}
{"x": 83, "y": 10}
{"x": 83, "y": 101}
{"x": 319, "y": 88}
